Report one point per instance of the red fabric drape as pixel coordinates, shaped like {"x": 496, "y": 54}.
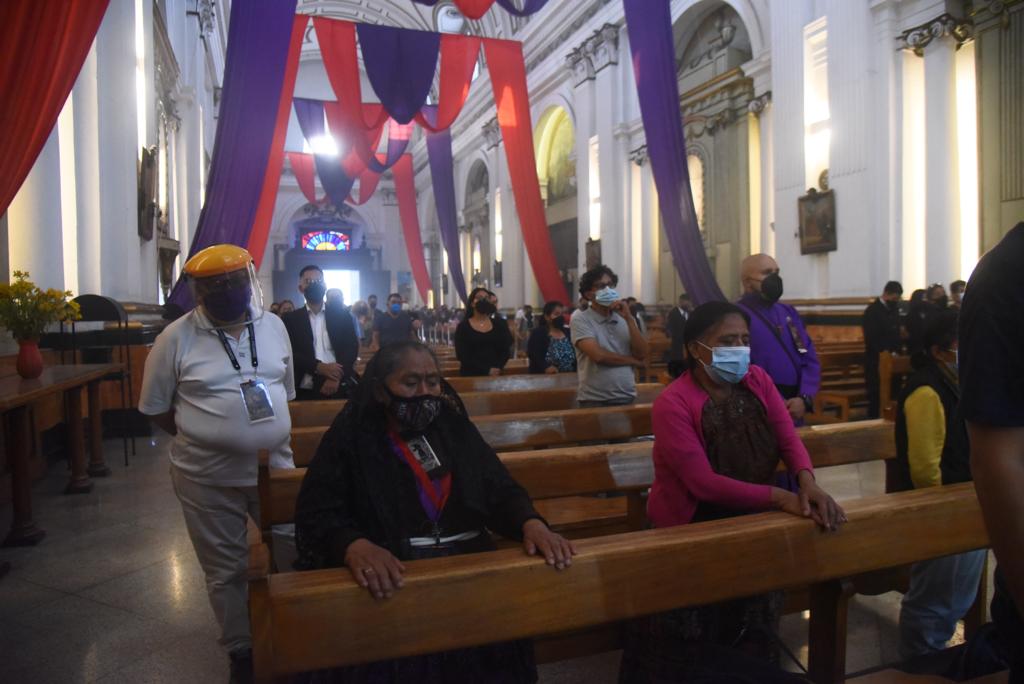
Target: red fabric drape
{"x": 305, "y": 174}
{"x": 272, "y": 178}
{"x": 46, "y": 42}
{"x": 338, "y": 46}
{"x": 405, "y": 189}
{"x": 458, "y": 60}
{"x": 368, "y": 180}
{"x": 508, "y": 79}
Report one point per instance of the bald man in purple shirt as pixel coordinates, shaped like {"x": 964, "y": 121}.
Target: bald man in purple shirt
{"x": 779, "y": 343}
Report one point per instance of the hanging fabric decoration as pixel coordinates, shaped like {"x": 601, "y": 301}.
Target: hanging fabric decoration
{"x": 302, "y": 167}
{"x": 46, "y": 42}
{"x": 442, "y": 176}
{"x": 337, "y": 184}
{"x": 384, "y": 50}
{"x": 458, "y": 61}
{"x": 259, "y": 77}
{"x": 364, "y": 142}
{"x": 474, "y": 9}
{"x": 650, "y": 40}
{"x": 508, "y": 79}
{"x": 405, "y": 189}
{"x": 400, "y": 65}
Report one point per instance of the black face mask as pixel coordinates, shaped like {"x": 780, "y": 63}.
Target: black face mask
{"x": 314, "y": 292}
{"x": 415, "y": 414}
{"x": 485, "y": 307}
{"x": 893, "y": 305}
{"x": 941, "y": 302}
{"x": 771, "y": 288}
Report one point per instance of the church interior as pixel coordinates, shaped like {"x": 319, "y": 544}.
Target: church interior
{"x": 459, "y": 183}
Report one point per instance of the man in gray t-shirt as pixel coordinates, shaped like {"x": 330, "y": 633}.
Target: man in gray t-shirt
{"x": 608, "y": 343}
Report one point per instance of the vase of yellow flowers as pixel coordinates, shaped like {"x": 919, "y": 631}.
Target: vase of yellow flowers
{"x": 26, "y": 310}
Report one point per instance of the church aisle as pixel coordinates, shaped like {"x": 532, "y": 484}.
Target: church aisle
{"x": 114, "y": 592}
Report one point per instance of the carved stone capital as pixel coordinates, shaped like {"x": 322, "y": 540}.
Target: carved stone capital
{"x": 639, "y": 155}
{"x": 603, "y": 47}
{"x": 918, "y": 38}
{"x": 492, "y": 133}
{"x": 580, "y": 66}
{"x": 205, "y": 14}
{"x": 758, "y": 104}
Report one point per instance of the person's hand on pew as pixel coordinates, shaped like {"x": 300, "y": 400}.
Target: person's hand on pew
{"x": 329, "y": 387}
{"x": 539, "y": 539}
{"x": 551, "y": 369}
{"x": 494, "y": 372}
{"x": 374, "y": 568}
{"x": 332, "y": 371}
{"x": 796, "y": 407}
{"x": 812, "y": 502}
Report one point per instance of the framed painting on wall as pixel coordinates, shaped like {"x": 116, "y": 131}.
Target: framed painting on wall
{"x": 817, "y": 212}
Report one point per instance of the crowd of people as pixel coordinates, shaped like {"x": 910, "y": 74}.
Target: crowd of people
{"x": 403, "y": 474}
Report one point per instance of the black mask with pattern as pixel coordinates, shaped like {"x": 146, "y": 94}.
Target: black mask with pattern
{"x": 415, "y": 414}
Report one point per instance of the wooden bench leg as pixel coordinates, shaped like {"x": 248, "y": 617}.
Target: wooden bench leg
{"x": 978, "y": 614}
{"x": 826, "y": 643}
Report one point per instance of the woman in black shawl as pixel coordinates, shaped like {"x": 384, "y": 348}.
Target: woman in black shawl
{"x": 402, "y": 474}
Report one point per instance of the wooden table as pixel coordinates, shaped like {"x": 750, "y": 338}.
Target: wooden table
{"x": 16, "y": 394}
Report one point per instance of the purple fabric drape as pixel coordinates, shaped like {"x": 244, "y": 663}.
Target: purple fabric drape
{"x": 442, "y": 177}
{"x": 400, "y": 64}
{"x": 398, "y": 140}
{"x": 259, "y": 35}
{"x": 337, "y": 184}
{"x": 650, "y": 39}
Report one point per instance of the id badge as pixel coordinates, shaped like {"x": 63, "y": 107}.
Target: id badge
{"x": 257, "y": 402}
{"x": 424, "y": 453}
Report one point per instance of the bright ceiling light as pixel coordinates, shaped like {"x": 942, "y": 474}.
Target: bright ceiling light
{"x": 321, "y": 144}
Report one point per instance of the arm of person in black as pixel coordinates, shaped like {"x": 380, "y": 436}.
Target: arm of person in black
{"x": 344, "y": 340}
{"x": 503, "y": 344}
{"x": 537, "y": 349}
{"x": 303, "y": 356}
{"x": 463, "y": 345}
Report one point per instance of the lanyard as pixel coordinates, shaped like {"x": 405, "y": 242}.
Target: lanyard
{"x": 433, "y": 492}
{"x": 231, "y": 353}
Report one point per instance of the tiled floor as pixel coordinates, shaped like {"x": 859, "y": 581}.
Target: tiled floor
{"x": 114, "y": 592}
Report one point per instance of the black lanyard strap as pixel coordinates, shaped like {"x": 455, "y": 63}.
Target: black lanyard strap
{"x": 231, "y": 353}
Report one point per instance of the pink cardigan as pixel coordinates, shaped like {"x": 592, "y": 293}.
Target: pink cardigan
{"x": 682, "y": 472}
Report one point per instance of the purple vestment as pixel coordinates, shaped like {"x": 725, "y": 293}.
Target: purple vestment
{"x": 781, "y": 359}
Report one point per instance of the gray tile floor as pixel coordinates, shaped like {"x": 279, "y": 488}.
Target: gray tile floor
{"x": 114, "y": 592}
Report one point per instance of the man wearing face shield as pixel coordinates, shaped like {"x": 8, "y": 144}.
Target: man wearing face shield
{"x": 219, "y": 379}
{"x": 608, "y": 343}
{"x": 779, "y": 342}
{"x": 324, "y": 342}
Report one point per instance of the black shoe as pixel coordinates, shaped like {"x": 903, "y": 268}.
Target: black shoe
{"x": 241, "y": 667}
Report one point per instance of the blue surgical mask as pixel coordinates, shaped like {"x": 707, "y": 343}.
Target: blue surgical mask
{"x": 728, "y": 365}
{"x": 396, "y": 308}
{"x": 607, "y": 296}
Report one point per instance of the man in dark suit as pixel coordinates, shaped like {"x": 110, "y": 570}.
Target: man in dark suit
{"x": 881, "y": 324}
{"x": 324, "y": 342}
{"x": 674, "y": 325}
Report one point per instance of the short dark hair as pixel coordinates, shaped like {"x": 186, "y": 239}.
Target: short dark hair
{"x": 893, "y": 287}
{"x": 957, "y": 286}
{"x": 705, "y": 317}
{"x": 684, "y": 296}
{"x": 394, "y": 294}
{"x": 940, "y": 330}
{"x": 550, "y": 307}
{"x": 590, "y": 278}
{"x": 310, "y": 267}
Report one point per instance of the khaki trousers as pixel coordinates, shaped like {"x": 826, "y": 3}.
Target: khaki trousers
{"x": 216, "y": 522}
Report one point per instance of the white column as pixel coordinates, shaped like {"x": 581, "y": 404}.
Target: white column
{"x": 34, "y": 223}
{"x": 611, "y": 174}
{"x": 942, "y": 189}
{"x": 118, "y": 147}
{"x": 583, "y": 105}
{"x": 649, "y": 245}
{"x": 87, "y": 177}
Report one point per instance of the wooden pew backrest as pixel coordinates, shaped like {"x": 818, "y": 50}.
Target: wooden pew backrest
{"x": 321, "y": 619}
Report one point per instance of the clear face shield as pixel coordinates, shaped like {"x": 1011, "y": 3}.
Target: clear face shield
{"x": 228, "y": 299}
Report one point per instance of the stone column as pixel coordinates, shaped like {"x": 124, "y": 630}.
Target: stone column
{"x": 119, "y": 152}
{"x": 937, "y": 41}
{"x": 581, "y": 67}
{"x": 603, "y": 50}
{"x": 650, "y": 220}
{"x": 35, "y": 237}
{"x": 87, "y": 177}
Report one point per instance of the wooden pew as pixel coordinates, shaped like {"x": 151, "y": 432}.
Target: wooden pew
{"x": 552, "y": 475}
{"x": 842, "y": 384}
{"x": 314, "y": 620}
{"x": 513, "y": 431}
{"x": 514, "y": 383}
{"x": 890, "y": 366}
{"x": 314, "y": 413}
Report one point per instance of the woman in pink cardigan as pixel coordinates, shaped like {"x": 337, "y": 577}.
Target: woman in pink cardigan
{"x": 720, "y": 430}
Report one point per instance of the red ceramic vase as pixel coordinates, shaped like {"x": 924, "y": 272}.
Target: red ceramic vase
{"x": 30, "y": 361}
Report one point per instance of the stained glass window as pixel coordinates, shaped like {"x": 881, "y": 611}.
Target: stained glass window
{"x": 326, "y": 240}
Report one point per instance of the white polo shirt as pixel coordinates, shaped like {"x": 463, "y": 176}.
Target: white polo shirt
{"x": 189, "y": 371}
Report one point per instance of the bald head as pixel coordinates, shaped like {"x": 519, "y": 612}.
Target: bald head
{"x": 754, "y": 269}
